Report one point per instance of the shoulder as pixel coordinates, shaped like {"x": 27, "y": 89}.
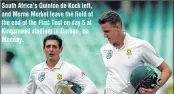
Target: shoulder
{"x": 146, "y": 44}
{"x": 71, "y": 69}
{"x": 107, "y": 46}
{"x": 143, "y": 44}
{"x": 70, "y": 66}
{"x": 38, "y": 67}
{"x": 137, "y": 41}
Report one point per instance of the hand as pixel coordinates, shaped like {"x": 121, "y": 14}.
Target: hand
{"x": 147, "y": 91}
{"x": 65, "y": 88}
{"x": 105, "y": 91}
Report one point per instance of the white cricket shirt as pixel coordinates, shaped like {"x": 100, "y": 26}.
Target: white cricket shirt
{"x": 119, "y": 63}
{"x": 43, "y": 80}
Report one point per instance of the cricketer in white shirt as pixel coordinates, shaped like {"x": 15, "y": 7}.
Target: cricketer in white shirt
{"x": 120, "y": 62}
{"x": 43, "y": 80}
{"x": 123, "y": 53}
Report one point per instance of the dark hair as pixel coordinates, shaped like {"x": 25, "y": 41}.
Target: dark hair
{"x": 53, "y": 37}
{"x": 110, "y": 16}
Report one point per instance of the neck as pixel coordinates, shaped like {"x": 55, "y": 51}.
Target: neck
{"x": 120, "y": 42}
{"x": 52, "y": 63}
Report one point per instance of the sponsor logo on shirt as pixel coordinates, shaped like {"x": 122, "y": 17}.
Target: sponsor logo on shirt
{"x": 59, "y": 76}
{"x": 41, "y": 76}
{"x": 82, "y": 73}
{"x": 109, "y": 54}
{"x": 157, "y": 54}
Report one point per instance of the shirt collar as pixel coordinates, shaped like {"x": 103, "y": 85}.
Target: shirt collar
{"x": 58, "y": 65}
{"x": 126, "y": 39}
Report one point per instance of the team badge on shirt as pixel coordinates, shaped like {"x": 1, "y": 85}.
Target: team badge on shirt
{"x": 109, "y": 54}
{"x": 41, "y": 76}
{"x": 59, "y": 76}
{"x": 129, "y": 52}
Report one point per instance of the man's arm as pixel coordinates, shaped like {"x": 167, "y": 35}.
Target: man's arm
{"x": 149, "y": 55}
{"x": 78, "y": 77}
{"x": 30, "y": 88}
{"x": 165, "y": 75}
{"x": 90, "y": 87}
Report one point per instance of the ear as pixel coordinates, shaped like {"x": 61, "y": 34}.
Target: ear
{"x": 118, "y": 25}
{"x": 61, "y": 48}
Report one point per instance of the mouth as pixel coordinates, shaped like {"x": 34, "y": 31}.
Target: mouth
{"x": 109, "y": 39}
{"x": 51, "y": 55}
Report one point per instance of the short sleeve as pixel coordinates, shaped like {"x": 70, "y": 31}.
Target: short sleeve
{"x": 149, "y": 55}
{"x": 80, "y": 78}
{"x": 30, "y": 88}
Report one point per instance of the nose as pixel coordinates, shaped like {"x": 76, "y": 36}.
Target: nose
{"x": 51, "y": 48}
{"x": 105, "y": 35}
